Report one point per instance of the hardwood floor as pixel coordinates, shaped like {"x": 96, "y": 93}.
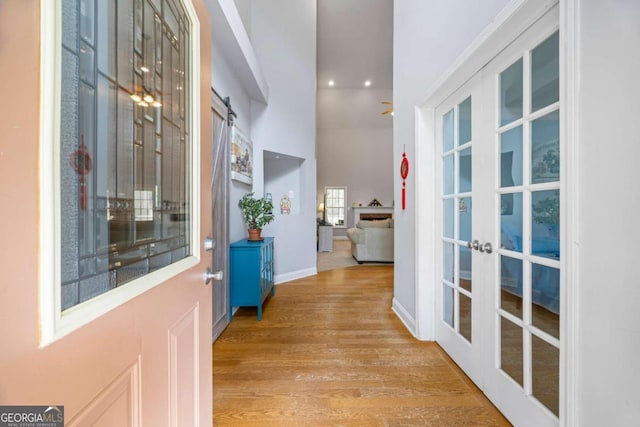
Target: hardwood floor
{"x": 330, "y": 352}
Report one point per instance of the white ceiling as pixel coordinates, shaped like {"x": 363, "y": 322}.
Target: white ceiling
{"x": 355, "y": 43}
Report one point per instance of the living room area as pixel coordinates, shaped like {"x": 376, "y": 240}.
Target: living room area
{"x": 354, "y": 139}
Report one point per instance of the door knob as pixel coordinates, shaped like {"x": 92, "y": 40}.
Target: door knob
{"x": 473, "y": 245}
{"x": 209, "y": 275}
{"x": 486, "y": 248}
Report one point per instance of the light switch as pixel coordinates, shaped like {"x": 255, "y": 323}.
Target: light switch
{"x": 291, "y": 194}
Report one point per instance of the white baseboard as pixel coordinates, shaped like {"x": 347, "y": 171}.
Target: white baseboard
{"x": 287, "y": 277}
{"x": 405, "y": 317}
{"x": 340, "y": 238}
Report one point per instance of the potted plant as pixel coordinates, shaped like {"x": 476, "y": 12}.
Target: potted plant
{"x": 256, "y": 214}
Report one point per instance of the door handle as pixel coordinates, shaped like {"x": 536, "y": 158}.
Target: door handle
{"x": 486, "y": 248}
{"x": 209, "y": 275}
{"x": 473, "y": 245}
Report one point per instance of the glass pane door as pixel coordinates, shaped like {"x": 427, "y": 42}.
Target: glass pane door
{"x": 528, "y": 210}
{"x": 457, "y": 209}
{"x": 498, "y": 295}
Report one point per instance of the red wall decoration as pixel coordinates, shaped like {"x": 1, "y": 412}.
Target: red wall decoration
{"x": 404, "y": 171}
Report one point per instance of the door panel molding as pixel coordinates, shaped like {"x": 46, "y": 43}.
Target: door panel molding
{"x": 117, "y": 404}
{"x": 184, "y": 360}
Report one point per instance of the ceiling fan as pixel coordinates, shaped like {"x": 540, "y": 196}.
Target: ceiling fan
{"x": 389, "y": 110}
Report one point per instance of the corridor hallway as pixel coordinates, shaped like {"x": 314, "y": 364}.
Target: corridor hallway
{"x": 330, "y": 352}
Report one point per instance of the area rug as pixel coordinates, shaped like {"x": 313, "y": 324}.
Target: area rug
{"x": 339, "y": 258}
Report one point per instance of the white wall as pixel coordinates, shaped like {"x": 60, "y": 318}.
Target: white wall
{"x": 355, "y": 146}
{"x": 428, "y": 37}
{"x": 282, "y": 178}
{"x": 607, "y": 283}
{"x": 283, "y": 36}
{"x": 284, "y": 39}
{"x": 226, "y": 83}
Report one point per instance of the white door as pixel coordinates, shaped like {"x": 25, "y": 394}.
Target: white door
{"x": 513, "y": 205}
{"x": 458, "y": 301}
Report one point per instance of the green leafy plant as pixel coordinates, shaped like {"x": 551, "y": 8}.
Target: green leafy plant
{"x": 256, "y": 212}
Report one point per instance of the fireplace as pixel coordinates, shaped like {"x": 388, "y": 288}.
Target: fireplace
{"x": 372, "y": 213}
{"x": 375, "y": 216}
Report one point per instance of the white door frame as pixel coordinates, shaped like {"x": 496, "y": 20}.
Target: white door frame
{"x": 517, "y": 16}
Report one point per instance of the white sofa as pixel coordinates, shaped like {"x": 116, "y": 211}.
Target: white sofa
{"x": 372, "y": 241}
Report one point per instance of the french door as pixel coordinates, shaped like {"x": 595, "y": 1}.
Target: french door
{"x": 498, "y": 296}
{"x": 457, "y": 131}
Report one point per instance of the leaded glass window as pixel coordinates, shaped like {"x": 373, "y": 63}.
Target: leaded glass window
{"x": 124, "y": 142}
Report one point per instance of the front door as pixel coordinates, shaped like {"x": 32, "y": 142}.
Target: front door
{"x": 498, "y": 299}
{"x": 104, "y": 309}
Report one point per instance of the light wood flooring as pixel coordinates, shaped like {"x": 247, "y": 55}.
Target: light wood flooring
{"x": 330, "y": 352}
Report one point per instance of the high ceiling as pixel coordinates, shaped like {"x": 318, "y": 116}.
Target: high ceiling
{"x": 355, "y": 43}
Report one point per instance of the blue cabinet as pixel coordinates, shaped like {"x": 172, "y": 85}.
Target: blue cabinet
{"x": 251, "y": 270}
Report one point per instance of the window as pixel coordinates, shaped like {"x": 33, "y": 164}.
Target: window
{"x": 335, "y": 206}
{"x": 125, "y": 143}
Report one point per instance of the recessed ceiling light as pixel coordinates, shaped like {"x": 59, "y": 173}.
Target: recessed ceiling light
{"x": 331, "y": 83}
{"x": 367, "y": 83}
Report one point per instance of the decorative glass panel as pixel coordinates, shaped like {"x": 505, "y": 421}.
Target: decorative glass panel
{"x": 545, "y": 148}
{"x": 545, "y": 295}
{"x": 511, "y": 221}
{"x": 545, "y": 73}
{"x": 511, "y": 158}
{"x": 106, "y": 37}
{"x": 465, "y": 171}
{"x": 112, "y": 170}
{"x": 511, "y": 285}
{"x": 545, "y": 224}
{"x": 87, "y": 70}
{"x": 86, "y": 20}
{"x": 69, "y": 24}
{"x": 464, "y": 219}
{"x": 138, "y": 25}
{"x": 464, "y": 122}
{"x": 511, "y": 343}
{"x": 546, "y": 373}
{"x": 124, "y": 47}
{"x": 511, "y": 93}
{"x": 448, "y": 126}
{"x": 69, "y": 142}
{"x": 170, "y": 18}
{"x": 464, "y": 304}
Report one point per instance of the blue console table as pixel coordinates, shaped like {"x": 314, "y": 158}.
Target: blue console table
{"x": 251, "y": 273}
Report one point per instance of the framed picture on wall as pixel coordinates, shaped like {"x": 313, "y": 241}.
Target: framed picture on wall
{"x": 241, "y": 157}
